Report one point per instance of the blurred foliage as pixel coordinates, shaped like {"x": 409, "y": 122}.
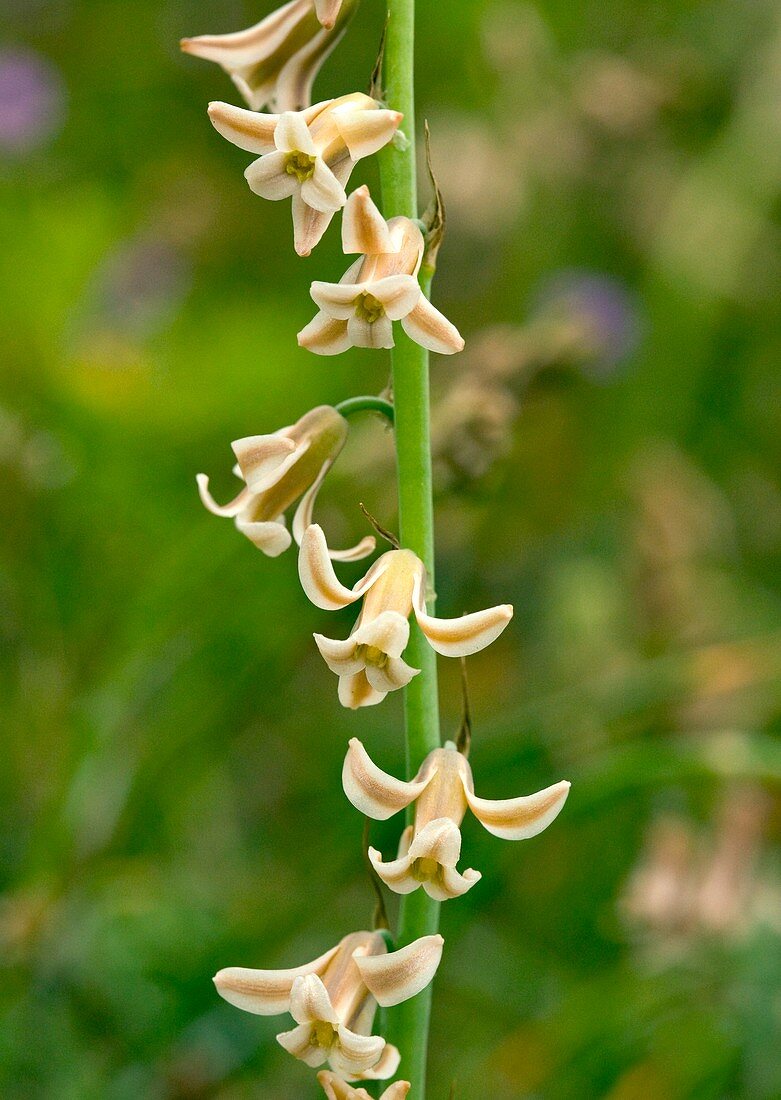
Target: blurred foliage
{"x": 610, "y": 463}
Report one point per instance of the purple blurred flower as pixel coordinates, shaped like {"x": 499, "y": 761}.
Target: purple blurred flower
{"x": 32, "y": 101}
{"x": 600, "y": 313}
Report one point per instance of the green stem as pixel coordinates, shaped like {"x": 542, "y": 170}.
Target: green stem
{"x": 352, "y": 405}
{"x": 419, "y": 914}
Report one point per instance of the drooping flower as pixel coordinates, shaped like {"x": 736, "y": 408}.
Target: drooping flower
{"x": 369, "y": 662}
{"x": 334, "y": 998}
{"x": 274, "y": 63}
{"x": 336, "y": 1089}
{"x": 379, "y": 288}
{"x": 442, "y": 791}
{"x": 279, "y": 469}
{"x": 307, "y": 155}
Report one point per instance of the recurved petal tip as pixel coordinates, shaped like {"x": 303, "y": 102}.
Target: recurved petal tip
{"x": 519, "y": 818}
{"x": 396, "y": 977}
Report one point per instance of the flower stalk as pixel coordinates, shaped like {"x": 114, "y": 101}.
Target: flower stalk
{"x": 419, "y": 914}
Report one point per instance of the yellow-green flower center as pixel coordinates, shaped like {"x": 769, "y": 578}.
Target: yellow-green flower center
{"x": 368, "y": 308}
{"x": 300, "y": 165}
{"x": 425, "y": 870}
{"x": 371, "y": 655}
{"x": 323, "y": 1035}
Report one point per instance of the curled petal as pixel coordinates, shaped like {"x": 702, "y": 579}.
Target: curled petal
{"x": 270, "y": 536}
{"x": 309, "y": 1001}
{"x": 519, "y": 818}
{"x": 265, "y": 992}
{"x": 388, "y": 632}
{"x": 431, "y": 329}
{"x": 371, "y": 790}
{"x": 356, "y": 691}
{"x": 399, "y": 975}
{"x": 268, "y": 177}
{"x": 249, "y": 130}
{"x": 323, "y": 191}
{"x": 365, "y": 132}
{"x": 298, "y": 1042}
{"x": 337, "y": 1089}
{"x": 389, "y": 1062}
{"x": 439, "y": 840}
{"x": 231, "y": 509}
{"x": 292, "y": 134}
{"x": 462, "y": 636}
{"x": 392, "y": 676}
{"x": 398, "y": 294}
{"x": 309, "y": 224}
{"x": 364, "y": 229}
{"x": 317, "y": 575}
{"x": 355, "y": 1054}
{"x": 335, "y": 299}
{"x": 396, "y": 873}
{"x": 325, "y": 336}
{"x": 339, "y": 656}
{"x": 370, "y": 334}
{"x": 261, "y": 458}
{"x": 453, "y": 884}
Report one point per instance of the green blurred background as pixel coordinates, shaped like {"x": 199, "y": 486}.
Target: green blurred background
{"x": 607, "y": 459}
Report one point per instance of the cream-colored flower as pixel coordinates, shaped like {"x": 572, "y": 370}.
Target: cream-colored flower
{"x": 336, "y": 1089}
{"x": 377, "y": 289}
{"x": 307, "y": 155}
{"x": 334, "y": 998}
{"x": 442, "y": 791}
{"x": 275, "y": 62}
{"x": 279, "y": 469}
{"x": 328, "y": 11}
{"x": 369, "y": 662}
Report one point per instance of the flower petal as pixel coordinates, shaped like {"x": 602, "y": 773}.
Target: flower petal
{"x": 265, "y": 992}
{"x": 399, "y": 975}
{"x": 292, "y": 134}
{"x": 365, "y": 132}
{"x": 439, "y": 840}
{"x": 317, "y": 575}
{"x": 356, "y": 691}
{"x": 356, "y": 1053}
{"x": 267, "y": 177}
{"x": 396, "y": 873}
{"x": 388, "y": 632}
{"x": 323, "y": 191}
{"x": 270, "y": 536}
{"x": 429, "y": 328}
{"x": 339, "y": 656}
{"x": 394, "y": 675}
{"x": 519, "y": 818}
{"x": 398, "y": 293}
{"x": 298, "y": 1042}
{"x": 261, "y": 458}
{"x": 231, "y": 509}
{"x": 462, "y": 636}
{"x": 309, "y": 224}
{"x": 309, "y": 1001}
{"x": 371, "y": 790}
{"x": 389, "y": 1062}
{"x": 370, "y": 334}
{"x": 327, "y": 11}
{"x": 335, "y": 299}
{"x": 363, "y": 227}
{"x": 325, "y": 336}
{"x": 453, "y": 884}
{"x": 250, "y": 130}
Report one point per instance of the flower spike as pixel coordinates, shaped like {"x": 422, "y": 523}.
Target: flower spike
{"x": 378, "y": 289}
{"x": 278, "y": 469}
{"x": 307, "y": 155}
{"x": 369, "y": 663}
{"x": 274, "y": 63}
{"x": 333, "y": 1001}
{"x": 442, "y": 791}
